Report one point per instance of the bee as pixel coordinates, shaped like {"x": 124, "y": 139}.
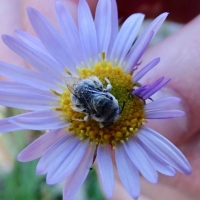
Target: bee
{"x": 90, "y": 97}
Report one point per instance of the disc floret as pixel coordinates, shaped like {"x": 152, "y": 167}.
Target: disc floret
{"x": 131, "y": 117}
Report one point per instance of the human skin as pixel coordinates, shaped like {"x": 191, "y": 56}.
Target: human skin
{"x": 180, "y": 61}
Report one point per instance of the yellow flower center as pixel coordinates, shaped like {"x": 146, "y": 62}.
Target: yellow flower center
{"x": 130, "y": 119}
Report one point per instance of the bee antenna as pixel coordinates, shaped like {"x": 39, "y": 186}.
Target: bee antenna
{"x": 122, "y": 107}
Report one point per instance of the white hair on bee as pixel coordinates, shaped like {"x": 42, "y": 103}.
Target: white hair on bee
{"x": 90, "y": 97}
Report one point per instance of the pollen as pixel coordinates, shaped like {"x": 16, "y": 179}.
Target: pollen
{"x": 132, "y": 115}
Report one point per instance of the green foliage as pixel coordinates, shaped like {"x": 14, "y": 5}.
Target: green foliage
{"x": 93, "y": 190}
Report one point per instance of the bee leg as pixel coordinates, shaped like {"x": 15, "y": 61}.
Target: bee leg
{"x": 109, "y": 86}
{"x": 77, "y": 108}
{"x": 87, "y": 117}
{"x": 101, "y": 125}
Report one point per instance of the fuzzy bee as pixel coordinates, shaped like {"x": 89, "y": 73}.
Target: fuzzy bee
{"x": 88, "y": 96}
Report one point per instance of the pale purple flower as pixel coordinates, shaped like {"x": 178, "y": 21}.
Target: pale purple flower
{"x": 68, "y": 149}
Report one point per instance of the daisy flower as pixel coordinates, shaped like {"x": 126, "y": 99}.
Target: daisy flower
{"x": 84, "y": 90}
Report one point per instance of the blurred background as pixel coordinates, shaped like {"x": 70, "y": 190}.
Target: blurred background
{"x": 18, "y": 181}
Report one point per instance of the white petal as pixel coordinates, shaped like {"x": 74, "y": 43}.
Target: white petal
{"x": 76, "y": 179}
{"x": 140, "y": 159}
{"x": 38, "y": 147}
{"x": 128, "y": 173}
{"x": 104, "y": 161}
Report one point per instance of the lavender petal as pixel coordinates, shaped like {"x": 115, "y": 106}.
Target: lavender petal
{"x": 166, "y": 114}
{"x": 70, "y": 32}
{"x": 145, "y": 69}
{"x": 143, "y": 41}
{"x": 153, "y": 90}
{"x": 76, "y": 179}
{"x": 28, "y": 77}
{"x": 39, "y": 120}
{"x": 53, "y": 152}
{"x": 164, "y": 149}
{"x": 87, "y": 31}
{"x": 141, "y": 160}
{"x": 159, "y": 164}
{"x": 38, "y": 147}
{"x": 128, "y": 173}
{"x": 6, "y": 126}
{"x": 103, "y": 24}
{"x": 126, "y": 37}
{"x": 31, "y": 40}
{"x": 104, "y": 161}
{"x": 26, "y": 101}
{"x": 114, "y": 26}
{"x": 162, "y": 103}
{"x": 46, "y": 33}
{"x": 66, "y": 162}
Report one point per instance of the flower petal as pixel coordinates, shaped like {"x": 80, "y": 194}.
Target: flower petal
{"x": 50, "y": 38}
{"x": 87, "y": 31}
{"x": 141, "y": 160}
{"x": 37, "y": 45}
{"x": 103, "y": 24}
{"x": 145, "y": 69}
{"x": 38, "y": 147}
{"x": 66, "y": 162}
{"x": 104, "y": 161}
{"x": 164, "y": 149}
{"x": 39, "y": 120}
{"x": 158, "y": 163}
{"x": 26, "y": 101}
{"x": 162, "y": 103}
{"x": 30, "y": 40}
{"x": 114, "y": 26}
{"x": 76, "y": 179}
{"x": 6, "y": 126}
{"x": 153, "y": 90}
{"x": 126, "y": 37}
{"x": 165, "y": 114}
{"x": 136, "y": 52}
{"x": 143, "y": 41}
{"x": 128, "y": 173}
{"x": 69, "y": 32}
{"x": 53, "y": 152}
{"x": 41, "y": 62}
{"x": 11, "y": 86}
{"x": 26, "y": 76}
